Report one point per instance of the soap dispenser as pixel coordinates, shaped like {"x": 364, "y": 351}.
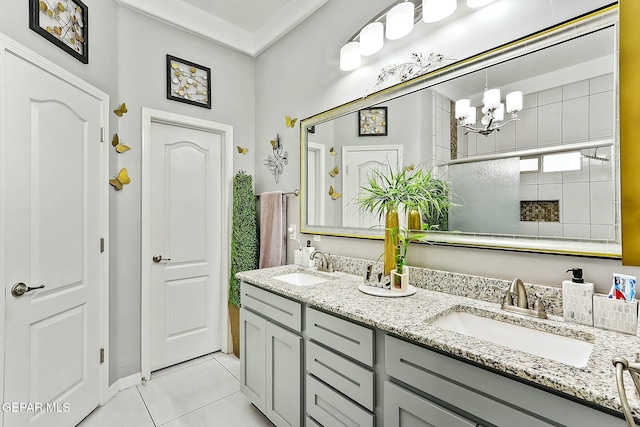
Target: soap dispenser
{"x": 577, "y": 299}
{"x": 297, "y": 255}
{"x": 306, "y": 255}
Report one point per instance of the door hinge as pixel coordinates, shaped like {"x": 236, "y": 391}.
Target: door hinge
{"x": 101, "y": 134}
{"x": 101, "y": 355}
{"x": 101, "y": 244}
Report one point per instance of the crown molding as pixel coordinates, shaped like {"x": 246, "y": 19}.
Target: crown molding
{"x": 194, "y": 20}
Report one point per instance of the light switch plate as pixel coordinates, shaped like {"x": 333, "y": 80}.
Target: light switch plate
{"x": 292, "y": 232}
{"x": 317, "y": 238}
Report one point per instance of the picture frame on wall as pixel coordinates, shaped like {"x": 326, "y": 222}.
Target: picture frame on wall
{"x": 373, "y": 121}
{"x": 64, "y": 23}
{"x": 188, "y": 82}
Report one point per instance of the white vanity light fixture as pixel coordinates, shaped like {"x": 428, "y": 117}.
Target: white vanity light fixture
{"x": 350, "y": 56}
{"x": 371, "y": 38}
{"x": 400, "y": 20}
{"x": 478, "y": 3}
{"x": 493, "y": 111}
{"x": 437, "y": 10}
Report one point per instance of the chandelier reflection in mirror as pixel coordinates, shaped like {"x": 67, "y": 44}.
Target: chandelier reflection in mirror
{"x": 493, "y": 110}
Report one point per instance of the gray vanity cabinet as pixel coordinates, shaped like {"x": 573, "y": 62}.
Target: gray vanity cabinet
{"x": 355, "y": 375}
{"x": 405, "y": 409}
{"x": 340, "y": 381}
{"x": 487, "y": 398}
{"x": 271, "y": 355}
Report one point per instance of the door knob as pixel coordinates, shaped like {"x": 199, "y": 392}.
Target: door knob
{"x": 20, "y": 289}
{"x": 158, "y": 258}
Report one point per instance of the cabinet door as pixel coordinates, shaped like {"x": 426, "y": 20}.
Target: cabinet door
{"x": 253, "y": 360}
{"x": 284, "y": 381}
{"x": 405, "y": 409}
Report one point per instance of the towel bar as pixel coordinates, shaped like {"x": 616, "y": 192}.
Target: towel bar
{"x": 295, "y": 192}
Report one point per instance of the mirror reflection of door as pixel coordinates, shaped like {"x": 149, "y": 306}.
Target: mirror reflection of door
{"x": 315, "y": 184}
{"x": 358, "y": 162}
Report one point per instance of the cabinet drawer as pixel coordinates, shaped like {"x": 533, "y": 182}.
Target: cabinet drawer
{"x": 308, "y": 422}
{"x": 347, "y": 377}
{"x": 428, "y": 372}
{"x": 330, "y": 409}
{"x": 403, "y": 408}
{"x": 348, "y": 338}
{"x": 281, "y": 310}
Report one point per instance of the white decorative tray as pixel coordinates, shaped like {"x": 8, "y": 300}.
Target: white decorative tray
{"x": 381, "y": 292}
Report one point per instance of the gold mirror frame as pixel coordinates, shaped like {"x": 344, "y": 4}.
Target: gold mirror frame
{"x": 629, "y": 38}
{"x": 629, "y": 131}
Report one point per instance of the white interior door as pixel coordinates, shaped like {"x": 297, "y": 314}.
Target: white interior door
{"x": 51, "y": 238}
{"x": 358, "y": 162}
{"x": 186, "y": 229}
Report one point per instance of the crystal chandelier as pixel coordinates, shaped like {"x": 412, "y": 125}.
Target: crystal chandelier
{"x": 493, "y": 110}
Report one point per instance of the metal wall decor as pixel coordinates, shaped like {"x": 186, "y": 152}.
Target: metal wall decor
{"x": 372, "y": 122}
{"x": 64, "y": 23}
{"x": 188, "y": 82}
{"x": 275, "y": 162}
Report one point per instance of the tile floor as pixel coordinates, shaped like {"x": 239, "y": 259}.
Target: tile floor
{"x": 203, "y": 392}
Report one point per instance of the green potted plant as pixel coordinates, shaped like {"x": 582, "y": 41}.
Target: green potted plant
{"x": 389, "y": 189}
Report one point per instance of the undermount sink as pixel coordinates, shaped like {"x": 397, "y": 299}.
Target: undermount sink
{"x": 301, "y": 279}
{"x": 569, "y": 351}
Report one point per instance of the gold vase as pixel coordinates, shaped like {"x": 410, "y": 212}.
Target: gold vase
{"x": 413, "y": 219}
{"x": 390, "y": 240}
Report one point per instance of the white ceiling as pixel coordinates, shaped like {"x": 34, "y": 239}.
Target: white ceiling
{"x": 246, "y": 14}
{"x": 249, "y": 26}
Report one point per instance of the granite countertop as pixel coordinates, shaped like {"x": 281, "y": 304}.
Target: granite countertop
{"x": 410, "y": 317}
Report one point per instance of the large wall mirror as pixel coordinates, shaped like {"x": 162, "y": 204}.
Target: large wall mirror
{"x": 547, "y": 181}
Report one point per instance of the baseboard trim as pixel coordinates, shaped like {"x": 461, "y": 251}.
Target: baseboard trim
{"x": 123, "y": 383}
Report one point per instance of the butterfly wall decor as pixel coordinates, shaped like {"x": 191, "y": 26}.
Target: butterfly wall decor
{"x": 333, "y": 172}
{"x": 410, "y": 167}
{"x": 120, "y": 148}
{"x": 243, "y": 151}
{"x": 275, "y": 143}
{"x": 120, "y": 180}
{"x": 289, "y": 121}
{"x": 121, "y": 110}
{"x": 334, "y": 194}
{"x": 332, "y": 151}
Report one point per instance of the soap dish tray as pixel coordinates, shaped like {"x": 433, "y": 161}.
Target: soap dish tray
{"x": 381, "y": 292}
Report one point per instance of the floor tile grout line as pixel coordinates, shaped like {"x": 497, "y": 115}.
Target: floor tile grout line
{"x": 228, "y": 370}
{"x": 145, "y": 406}
{"x": 188, "y": 367}
{"x": 197, "y": 409}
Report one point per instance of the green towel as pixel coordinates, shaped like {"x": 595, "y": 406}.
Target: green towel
{"x": 244, "y": 234}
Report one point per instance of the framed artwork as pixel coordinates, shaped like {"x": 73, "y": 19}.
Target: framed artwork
{"x": 372, "y": 122}
{"x": 64, "y": 23}
{"x": 188, "y": 82}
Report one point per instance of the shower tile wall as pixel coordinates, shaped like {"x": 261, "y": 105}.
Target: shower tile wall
{"x": 577, "y": 112}
{"x": 442, "y": 127}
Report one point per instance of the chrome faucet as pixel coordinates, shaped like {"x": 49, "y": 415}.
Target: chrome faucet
{"x": 516, "y": 295}
{"x": 516, "y": 300}
{"x": 325, "y": 265}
